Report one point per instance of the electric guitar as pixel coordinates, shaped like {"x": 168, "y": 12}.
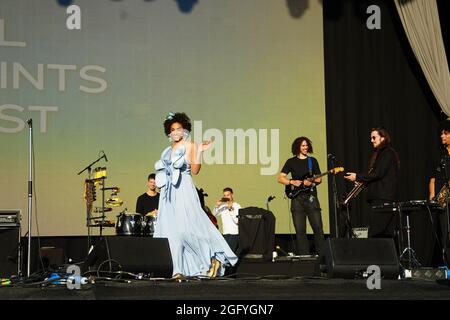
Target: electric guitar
{"x": 293, "y": 191}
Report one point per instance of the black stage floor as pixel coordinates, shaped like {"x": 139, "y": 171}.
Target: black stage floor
{"x": 238, "y": 289}
{"x": 284, "y": 279}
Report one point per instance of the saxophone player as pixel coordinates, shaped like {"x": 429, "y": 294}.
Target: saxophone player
{"x": 381, "y": 182}
{"x": 437, "y": 187}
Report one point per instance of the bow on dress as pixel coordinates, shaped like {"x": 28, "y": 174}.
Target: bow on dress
{"x": 168, "y": 171}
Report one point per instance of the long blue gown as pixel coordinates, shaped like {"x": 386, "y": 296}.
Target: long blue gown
{"x": 193, "y": 239}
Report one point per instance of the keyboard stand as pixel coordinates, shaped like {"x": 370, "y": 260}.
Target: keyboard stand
{"x": 408, "y": 252}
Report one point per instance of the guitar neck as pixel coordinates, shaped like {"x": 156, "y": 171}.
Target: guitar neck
{"x": 319, "y": 175}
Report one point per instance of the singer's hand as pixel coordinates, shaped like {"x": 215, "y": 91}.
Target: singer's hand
{"x": 205, "y": 145}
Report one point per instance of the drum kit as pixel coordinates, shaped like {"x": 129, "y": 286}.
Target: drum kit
{"x": 134, "y": 224}
{"x": 128, "y": 223}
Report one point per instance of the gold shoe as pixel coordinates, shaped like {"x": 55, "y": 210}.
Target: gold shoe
{"x": 209, "y": 273}
{"x": 215, "y": 265}
{"x": 178, "y": 276}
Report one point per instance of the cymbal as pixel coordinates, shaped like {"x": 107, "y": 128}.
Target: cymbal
{"x": 114, "y": 202}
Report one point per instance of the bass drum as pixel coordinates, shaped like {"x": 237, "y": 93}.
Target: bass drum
{"x": 129, "y": 224}
{"x": 148, "y": 226}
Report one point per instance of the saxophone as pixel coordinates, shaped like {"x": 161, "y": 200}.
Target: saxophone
{"x": 443, "y": 195}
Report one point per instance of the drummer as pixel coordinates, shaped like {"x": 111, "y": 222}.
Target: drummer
{"x": 147, "y": 203}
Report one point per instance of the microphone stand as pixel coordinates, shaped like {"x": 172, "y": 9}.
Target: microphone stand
{"x": 270, "y": 198}
{"x": 30, "y": 194}
{"x": 335, "y": 196}
{"x": 89, "y": 167}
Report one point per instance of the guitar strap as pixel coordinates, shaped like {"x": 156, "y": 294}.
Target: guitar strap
{"x": 310, "y": 166}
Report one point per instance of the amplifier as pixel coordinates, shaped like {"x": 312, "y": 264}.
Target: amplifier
{"x": 10, "y": 253}
{"x": 10, "y": 218}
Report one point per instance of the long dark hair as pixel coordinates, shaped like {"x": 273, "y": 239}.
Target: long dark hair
{"x": 384, "y": 134}
{"x": 385, "y": 144}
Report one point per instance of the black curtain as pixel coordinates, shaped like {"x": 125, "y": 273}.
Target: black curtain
{"x": 372, "y": 79}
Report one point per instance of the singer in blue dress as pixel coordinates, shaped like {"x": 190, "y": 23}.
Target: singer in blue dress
{"x": 197, "y": 247}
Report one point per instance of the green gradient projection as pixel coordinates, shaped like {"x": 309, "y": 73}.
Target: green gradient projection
{"x": 228, "y": 64}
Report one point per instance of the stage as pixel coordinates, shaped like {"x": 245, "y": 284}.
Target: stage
{"x": 282, "y": 279}
{"x": 93, "y": 92}
{"x": 248, "y": 288}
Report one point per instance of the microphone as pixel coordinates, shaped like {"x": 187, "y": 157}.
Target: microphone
{"x": 30, "y": 122}
{"x": 270, "y": 198}
{"x": 104, "y": 156}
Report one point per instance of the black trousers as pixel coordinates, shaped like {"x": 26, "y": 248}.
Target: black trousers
{"x": 233, "y": 242}
{"x": 302, "y": 207}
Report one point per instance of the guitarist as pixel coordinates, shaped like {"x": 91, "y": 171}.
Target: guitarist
{"x": 306, "y": 203}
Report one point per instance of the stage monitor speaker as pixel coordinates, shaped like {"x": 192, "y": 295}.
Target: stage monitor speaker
{"x": 350, "y": 258}
{"x": 9, "y": 251}
{"x": 132, "y": 254}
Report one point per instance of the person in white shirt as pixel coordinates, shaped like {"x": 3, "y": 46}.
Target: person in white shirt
{"x": 228, "y": 210}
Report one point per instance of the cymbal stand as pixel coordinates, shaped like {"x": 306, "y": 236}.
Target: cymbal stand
{"x": 103, "y": 207}
{"x": 88, "y": 214}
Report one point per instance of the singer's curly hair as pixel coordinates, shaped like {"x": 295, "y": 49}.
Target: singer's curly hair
{"x": 179, "y": 117}
{"x": 295, "y": 148}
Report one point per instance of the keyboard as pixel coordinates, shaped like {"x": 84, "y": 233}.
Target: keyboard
{"x": 410, "y": 205}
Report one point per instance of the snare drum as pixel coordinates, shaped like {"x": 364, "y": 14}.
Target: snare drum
{"x": 129, "y": 224}
{"x": 148, "y": 226}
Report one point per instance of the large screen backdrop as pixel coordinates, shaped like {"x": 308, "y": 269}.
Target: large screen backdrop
{"x": 248, "y": 73}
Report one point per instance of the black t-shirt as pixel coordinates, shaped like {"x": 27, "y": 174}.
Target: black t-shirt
{"x": 438, "y": 172}
{"x": 299, "y": 169}
{"x": 146, "y": 203}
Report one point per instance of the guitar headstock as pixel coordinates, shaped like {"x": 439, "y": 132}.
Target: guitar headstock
{"x": 337, "y": 170}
